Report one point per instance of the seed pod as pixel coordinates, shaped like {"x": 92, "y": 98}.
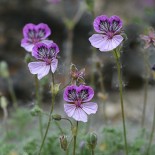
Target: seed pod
{"x": 63, "y": 142}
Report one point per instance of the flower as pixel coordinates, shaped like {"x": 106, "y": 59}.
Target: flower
{"x": 77, "y": 75}
{"x": 46, "y": 54}
{"x": 149, "y": 39}
{"x": 110, "y": 29}
{"x": 78, "y": 105}
{"x": 34, "y": 34}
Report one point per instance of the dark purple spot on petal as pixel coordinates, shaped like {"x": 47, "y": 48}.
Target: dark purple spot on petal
{"x": 72, "y": 95}
{"x": 83, "y": 94}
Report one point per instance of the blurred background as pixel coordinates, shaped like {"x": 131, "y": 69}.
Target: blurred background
{"x": 71, "y": 23}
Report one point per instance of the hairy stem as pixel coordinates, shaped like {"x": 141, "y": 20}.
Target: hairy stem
{"x": 12, "y": 93}
{"x": 152, "y": 134}
{"x": 121, "y": 98}
{"x": 50, "y": 118}
{"x": 145, "y": 88}
{"x": 75, "y": 136}
{"x": 38, "y": 104}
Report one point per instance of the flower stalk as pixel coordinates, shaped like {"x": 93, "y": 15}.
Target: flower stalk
{"x": 50, "y": 118}
{"x": 75, "y": 130}
{"x": 152, "y": 134}
{"x": 38, "y": 104}
{"x": 117, "y": 55}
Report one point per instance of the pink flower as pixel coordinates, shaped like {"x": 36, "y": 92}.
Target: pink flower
{"x": 78, "y": 99}
{"x": 110, "y": 29}
{"x": 34, "y": 34}
{"x": 47, "y": 59}
{"x": 149, "y": 39}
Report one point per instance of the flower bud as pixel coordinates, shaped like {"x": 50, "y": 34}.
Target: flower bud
{"x": 55, "y": 88}
{"x": 28, "y": 58}
{"x": 36, "y": 111}
{"x": 3, "y": 102}
{"x": 63, "y": 142}
{"x": 56, "y": 117}
{"x": 92, "y": 140}
{"x": 4, "y": 72}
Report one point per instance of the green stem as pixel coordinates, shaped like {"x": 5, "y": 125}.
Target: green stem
{"x": 103, "y": 91}
{"x": 49, "y": 120}
{"x": 67, "y": 151}
{"x": 92, "y": 152}
{"x": 75, "y": 136}
{"x": 38, "y": 104}
{"x": 59, "y": 127}
{"x": 121, "y": 97}
{"x": 152, "y": 134}
{"x": 12, "y": 93}
{"x": 147, "y": 67}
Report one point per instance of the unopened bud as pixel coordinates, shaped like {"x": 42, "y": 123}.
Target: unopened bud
{"x": 36, "y": 111}
{"x": 56, "y": 117}
{"x": 55, "y": 88}
{"x": 3, "y": 102}
{"x": 28, "y": 58}
{"x": 92, "y": 140}
{"x": 63, "y": 142}
{"x": 4, "y": 72}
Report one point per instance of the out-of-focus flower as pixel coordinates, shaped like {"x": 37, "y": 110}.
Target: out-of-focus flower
{"x": 54, "y": 1}
{"x": 47, "y": 59}
{"x": 149, "y": 39}
{"x": 110, "y": 29}
{"x": 34, "y": 34}
{"x": 77, "y": 75}
{"x": 78, "y": 99}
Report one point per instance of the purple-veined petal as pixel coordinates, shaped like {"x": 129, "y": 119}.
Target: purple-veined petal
{"x": 110, "y": 44}
{"x": 43, "y": 31}
{"x": 70, "y": 93}
{"x": 115, "y": 23}
{"x": 27, "y": 29}
{"x": 39, "y": 68}
{"x": 69, "y": 109}
{"x": 54, "y": 49}
{"x": 39, "y": 51}
{"x": 26, "y": 45}
{"x": 89, "y": 107}
{"x": 85, "y": 93}
{"x": 103, "y": 43}
{"x": 47, "y": 42}
{"x": 101, "y": 24}
{"x": 80, "y": 115}
{"x": 54, "y": 64}
{"x": 96, "y": 40}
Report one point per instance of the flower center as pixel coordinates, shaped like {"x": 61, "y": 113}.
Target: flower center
{"x": 78, "y": 103}
{"x": 110, "y": 35}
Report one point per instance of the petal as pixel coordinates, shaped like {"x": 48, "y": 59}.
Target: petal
{"x": 96, "y": 40}
{"x": 39, "y": 51}
{"x": 54, "y": 64}
{"x": 26, "y": 45}
{"x": 90, "y": 107}
{"x": 26, "y": 29}
{"x": 43, "y": 31}
{"x": 110, "y": 44}
{"x": 116, "y": 23}
{"x": 39, "y": 68}
{"x": 53, "y": 48}
{"x": 69, "y": 109}
{"x": 85, "y": 93}
{"x": 70, "y": 93}
{"x": 80, "y": 115}
{"x": 101, "y": 24}
{"x": 47, "y": 42}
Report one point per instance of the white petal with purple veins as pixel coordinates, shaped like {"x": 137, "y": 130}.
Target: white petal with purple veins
{"x": 39, "y": 68}
{"x": 80, "y": 115}
{"x": 54, "y": 64}
{"x": 69, "y": 109}
{"x": 90, "y": 107}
